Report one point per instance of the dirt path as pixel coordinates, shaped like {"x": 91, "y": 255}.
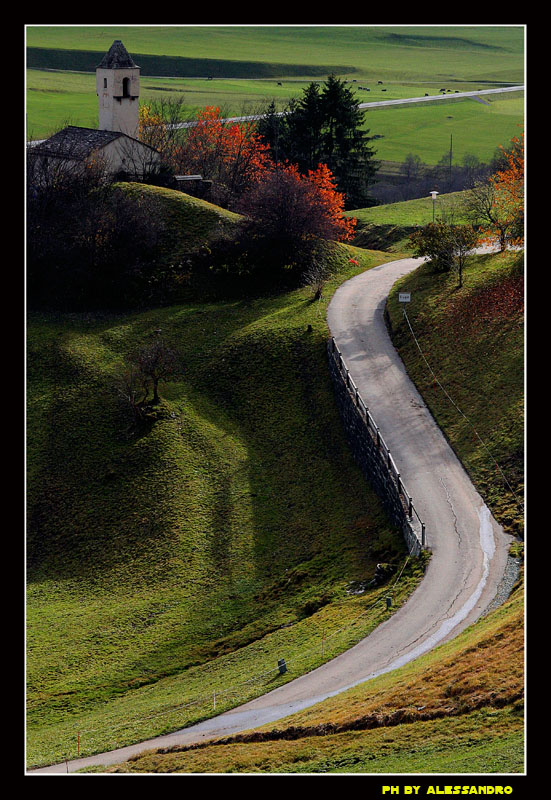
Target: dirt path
{"x": 469, "y": 549}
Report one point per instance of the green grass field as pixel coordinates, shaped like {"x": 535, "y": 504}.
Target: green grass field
{"x": 472, "y": 128}
{"x": 411, "y": 213}
{"x": 249, "y": 63}
{"x": 388, "y": 227}
{"x": 460, "y": 53}
{"x": 459, "y": 708}
{"x": 185, "y": 560}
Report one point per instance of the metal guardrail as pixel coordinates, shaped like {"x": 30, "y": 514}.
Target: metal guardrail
{"x": 375, "y": 433}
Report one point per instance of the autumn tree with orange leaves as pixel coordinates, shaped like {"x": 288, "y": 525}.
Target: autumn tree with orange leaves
{"x": 230, "y": 154}
{"x": 288, "y": 216}
{"x": 291, "y": 217}
{"x": 497, "y": 205}
{"x": 159, "y": 127}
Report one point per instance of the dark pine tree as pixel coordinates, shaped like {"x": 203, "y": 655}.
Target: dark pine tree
{"x": 326, "y": 126}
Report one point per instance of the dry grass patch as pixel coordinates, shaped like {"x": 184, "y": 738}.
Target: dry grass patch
{"x": 469, "y": 692}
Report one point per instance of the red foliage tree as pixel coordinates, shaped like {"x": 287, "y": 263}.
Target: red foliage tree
{"x": 505, "y": 191}
{"x": 291, "y": 216}
{"x": 295, "y": 206}
{"x": 231, "y": 154}
{"x": 332, "y": 203}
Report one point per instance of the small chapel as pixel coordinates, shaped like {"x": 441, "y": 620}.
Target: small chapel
{"x": 115, "y": 140}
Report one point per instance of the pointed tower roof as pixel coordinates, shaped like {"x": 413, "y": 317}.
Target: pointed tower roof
{"x": 118, "y": 57}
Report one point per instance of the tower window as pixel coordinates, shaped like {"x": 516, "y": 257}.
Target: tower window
{"x": 126, "y": 87}
{"x": 105, "y": 83}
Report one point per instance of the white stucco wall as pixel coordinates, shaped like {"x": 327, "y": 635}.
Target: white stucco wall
{"x": 115, "y": 111}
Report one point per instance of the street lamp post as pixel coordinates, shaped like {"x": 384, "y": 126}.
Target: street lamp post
{"x": 433, "y": 199}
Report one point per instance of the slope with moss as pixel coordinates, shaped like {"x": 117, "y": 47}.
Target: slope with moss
{"x": 173, "y": 562}
{"x": 459, "y": 708}
{"x": 464, "y": 348}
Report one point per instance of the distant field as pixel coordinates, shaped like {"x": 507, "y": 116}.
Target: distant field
{"x": 411, "y": 212}
{"x": 55, "y": 99}
{"x": 250, "y": 66}
{"x": 393, "y": 53}
{"x": 425, "y": 130}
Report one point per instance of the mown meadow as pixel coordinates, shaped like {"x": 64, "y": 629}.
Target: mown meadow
{"x": 464, "y": 53}
{"x": 241, "y": 69}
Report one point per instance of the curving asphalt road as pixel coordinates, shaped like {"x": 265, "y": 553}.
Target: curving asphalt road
{"x": 469, "y": 549}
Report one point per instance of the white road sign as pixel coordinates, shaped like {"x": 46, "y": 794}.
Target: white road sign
{"x": 404, "y": 297}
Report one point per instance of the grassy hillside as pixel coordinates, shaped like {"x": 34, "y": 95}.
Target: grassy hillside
{"x": 184, "y": 559}
{"x": 411, "y": 213}
{"x": 190, "y": 223}
{"x": 458, "y": 709}
{"x": 388, "y": 227}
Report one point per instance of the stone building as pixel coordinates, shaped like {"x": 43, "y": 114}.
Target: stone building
{"x": 115, "y": 142}
{"x": 118, "y": 91}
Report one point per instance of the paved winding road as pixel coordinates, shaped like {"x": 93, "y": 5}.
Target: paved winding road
{"x": 469, "y": 549}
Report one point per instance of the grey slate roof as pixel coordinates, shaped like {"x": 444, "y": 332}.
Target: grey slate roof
{"x": 76, "y": 143}
{"x": 117, "y": 57}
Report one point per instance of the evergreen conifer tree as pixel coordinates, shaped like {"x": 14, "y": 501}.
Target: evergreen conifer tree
{"x": 325, "y": 126}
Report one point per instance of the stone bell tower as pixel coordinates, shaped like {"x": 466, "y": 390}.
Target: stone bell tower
{"x": 118, "y": 90}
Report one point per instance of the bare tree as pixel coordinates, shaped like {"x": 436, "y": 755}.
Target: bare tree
{"x": 483, "y": 210}
{"x": 316, "y": 274}
{"x": 156, "y": 362}
{"x": 132, "y": 390}
{"x": 464, "y": 240}
{"x": 412, "y": 171}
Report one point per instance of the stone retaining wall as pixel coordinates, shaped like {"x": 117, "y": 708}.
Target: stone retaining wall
{"x": 372, "y": 455}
